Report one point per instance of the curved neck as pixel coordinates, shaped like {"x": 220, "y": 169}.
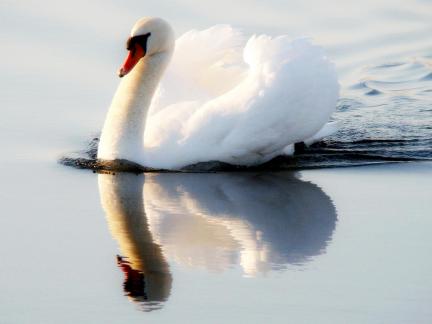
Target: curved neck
{"x": 123, "y": 132}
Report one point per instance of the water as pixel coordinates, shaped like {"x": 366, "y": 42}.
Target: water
{"x": 387, "y": 113}
{"x": 338, "y": 245}
{"x": 211, "y": 222}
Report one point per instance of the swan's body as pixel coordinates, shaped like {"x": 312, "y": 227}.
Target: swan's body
{"x": 221, "y": 98}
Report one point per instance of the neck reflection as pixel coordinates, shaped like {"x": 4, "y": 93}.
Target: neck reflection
{"x": 259, "y": 221}
{"x": 147, "y": 279}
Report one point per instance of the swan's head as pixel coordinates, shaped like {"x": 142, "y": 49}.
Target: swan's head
{"x": 149, "y": 36}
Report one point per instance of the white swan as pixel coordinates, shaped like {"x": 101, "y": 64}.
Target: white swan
{"x": 222, "y": 98}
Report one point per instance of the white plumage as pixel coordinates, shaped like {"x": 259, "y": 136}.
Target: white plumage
{"x": 225, "y": 98}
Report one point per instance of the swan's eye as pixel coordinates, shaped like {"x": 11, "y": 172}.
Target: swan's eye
{"x": 129, "y": 44}
{"x": 141, "y": 40}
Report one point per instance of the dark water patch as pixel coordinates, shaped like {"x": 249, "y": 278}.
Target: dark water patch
{"x": 358, "y": 86}
{"x": 98, "y": 165}
{"x": 427, "y": 77}
{"x": 373, "y": 92}
{"x": 87, "y": 159}
{"x": 346, "y": 104}
{"x": 387, "y": 141}
{"x": 388, "y": 65}
{"x": 377, "y": 149}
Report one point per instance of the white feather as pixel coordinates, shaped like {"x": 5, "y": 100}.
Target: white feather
{"x": 238, "y": 101}
{"x": 235, "y": 111}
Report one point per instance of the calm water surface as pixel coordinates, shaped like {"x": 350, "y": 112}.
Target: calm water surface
{"x": 342, "y": 245}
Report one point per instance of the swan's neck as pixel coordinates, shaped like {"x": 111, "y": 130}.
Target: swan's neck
{"x": 123, "y": 132}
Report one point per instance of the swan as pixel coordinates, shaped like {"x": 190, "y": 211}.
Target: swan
{"x": 213, "y": 95}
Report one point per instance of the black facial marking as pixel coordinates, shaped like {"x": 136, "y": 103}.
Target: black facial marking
{"x": 141, "y": 40}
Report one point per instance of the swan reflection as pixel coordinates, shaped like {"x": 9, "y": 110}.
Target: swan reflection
{"x": 258, "y": 221}
{"x": 147, "y": 276}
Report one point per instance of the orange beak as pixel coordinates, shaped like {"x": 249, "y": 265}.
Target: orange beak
{"x": 134, "y": 55}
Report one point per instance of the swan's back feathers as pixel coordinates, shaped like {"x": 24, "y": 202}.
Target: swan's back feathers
{"x": 205, "y": 64}
{"x": 296, "y": 92}
{"x": 250, "y": 103}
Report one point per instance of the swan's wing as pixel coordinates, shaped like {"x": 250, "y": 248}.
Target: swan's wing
{"x": 205, "y": 64}
{"x": 287, "y": 95}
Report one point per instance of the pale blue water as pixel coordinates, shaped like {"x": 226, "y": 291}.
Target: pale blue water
{"x": 339, "y": 245}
